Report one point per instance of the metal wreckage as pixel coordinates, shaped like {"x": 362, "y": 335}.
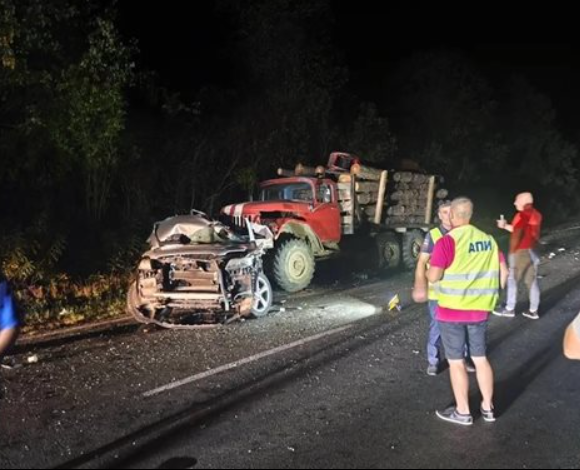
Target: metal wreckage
{"x": 200, "y": 273}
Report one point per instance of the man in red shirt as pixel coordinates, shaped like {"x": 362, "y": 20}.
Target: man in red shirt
{"x": 523, "y": 260}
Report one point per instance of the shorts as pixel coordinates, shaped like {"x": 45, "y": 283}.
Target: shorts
{"x": 456, "y": 336}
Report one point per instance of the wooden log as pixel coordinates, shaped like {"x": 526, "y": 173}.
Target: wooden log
{"x": 420, "y": 179}
{"x": 429, "y": 209}
{"x": 381, "y": 196}
{"x": 366, "y": 172}
{"x": 302, "y": 170}
{"x": 403, "y": 187}
{"x": 397, "y": 220}
{"x": 403, "y": 177}
{"x": 411, "y": 187}
{"x": 411, "y": 203}
{"x": 370, "y": 211}
{"x": 285, "y": 173}
{"x": 345, "y": 178}
{"x": 409, "y": 195}
{"x": 397, "y": 210}
{"x": 404, "y": 221}
{"x": 366, "y": 187}
{"x": 367, "y": 198}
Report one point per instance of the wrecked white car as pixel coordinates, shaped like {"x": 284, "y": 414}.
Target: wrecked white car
{"x": 198, "y": 272}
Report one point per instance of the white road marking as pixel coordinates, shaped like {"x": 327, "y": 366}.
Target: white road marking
{"x": 241, "y": 362}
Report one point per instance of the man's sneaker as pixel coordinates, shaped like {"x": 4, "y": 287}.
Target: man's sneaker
{"x": 488, "y": 415}
{"x": 531, "y": 315}
{"x": 504, "y": 312}
{"x": 432, "y": 370}
{"x": 470, "y": 368}
{"x": 452, "y": 416}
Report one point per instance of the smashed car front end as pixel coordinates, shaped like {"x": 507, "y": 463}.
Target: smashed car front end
{"x": 184, "y": 284}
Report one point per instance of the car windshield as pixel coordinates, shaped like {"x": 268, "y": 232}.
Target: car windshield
{"x": 287, "y": 192}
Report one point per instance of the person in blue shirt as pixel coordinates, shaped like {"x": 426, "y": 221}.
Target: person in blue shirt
{"x": 9, "y": 318}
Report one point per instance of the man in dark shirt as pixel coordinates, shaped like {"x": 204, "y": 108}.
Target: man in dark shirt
{"x": 422, "y": 291}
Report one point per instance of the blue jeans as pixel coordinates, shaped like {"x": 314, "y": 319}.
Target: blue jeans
{"x": 434, "y": 340}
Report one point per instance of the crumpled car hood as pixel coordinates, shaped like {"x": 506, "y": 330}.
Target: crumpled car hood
{"x": 188, "y": 225}
{"x": 211, "y": 251}
{"x": 208, "y": 238}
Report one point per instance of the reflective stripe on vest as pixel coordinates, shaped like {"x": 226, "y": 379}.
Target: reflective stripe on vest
{"x": 472, "y": 281}
{"x": 436, "y": 235}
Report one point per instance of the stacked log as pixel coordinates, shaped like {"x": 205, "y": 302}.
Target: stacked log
{"x": 412, "y": 198}
{"x": 366, "y": 172}
{"x": 368, "y": 186}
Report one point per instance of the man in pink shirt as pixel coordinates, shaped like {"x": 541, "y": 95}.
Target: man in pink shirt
{"x": 470, "y": 269}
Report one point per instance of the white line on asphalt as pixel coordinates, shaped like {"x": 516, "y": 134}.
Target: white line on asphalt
{"x": 241, "y": 362}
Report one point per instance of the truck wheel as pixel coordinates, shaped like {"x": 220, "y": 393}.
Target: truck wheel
{"x": 263, "y": 297}
{"x": 412, "y": 243}
{"x": 294, "y": 265}
{"x": 389, "y": 251}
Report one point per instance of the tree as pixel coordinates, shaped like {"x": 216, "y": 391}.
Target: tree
{"x": 89, "y": 113}
{"x": 292, "y": 76}
{"x": 537, "y": 153}
{"x": 64, "y": 69}
{"x": 447, "y": 115}
{"x": 370, "y": 136}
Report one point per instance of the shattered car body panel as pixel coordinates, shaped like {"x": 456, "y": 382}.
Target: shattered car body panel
{"x": 198, "y": 272}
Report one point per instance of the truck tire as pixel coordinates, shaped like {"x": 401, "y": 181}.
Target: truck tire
{"x": 389, "y": 251}
{"x": 294, "y": 265}
{"x": 412, "y": 243}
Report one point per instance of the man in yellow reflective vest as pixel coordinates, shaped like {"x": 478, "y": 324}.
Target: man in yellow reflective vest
{"x": 470, "y": 270}
{"x": 423, "y": 292}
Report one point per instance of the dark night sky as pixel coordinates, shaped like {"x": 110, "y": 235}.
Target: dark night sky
{"x": 183, "y": 43}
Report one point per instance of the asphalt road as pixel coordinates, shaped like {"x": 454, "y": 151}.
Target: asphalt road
{"x": 369, "y": 405}
{"x": 330, "y": 379}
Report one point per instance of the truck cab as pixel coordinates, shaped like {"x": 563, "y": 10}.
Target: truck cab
{"x": 305, "y": 217}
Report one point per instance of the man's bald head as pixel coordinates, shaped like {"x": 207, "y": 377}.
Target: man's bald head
{"x": 461, "y": 211}
{"x": 523, "y": 200}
